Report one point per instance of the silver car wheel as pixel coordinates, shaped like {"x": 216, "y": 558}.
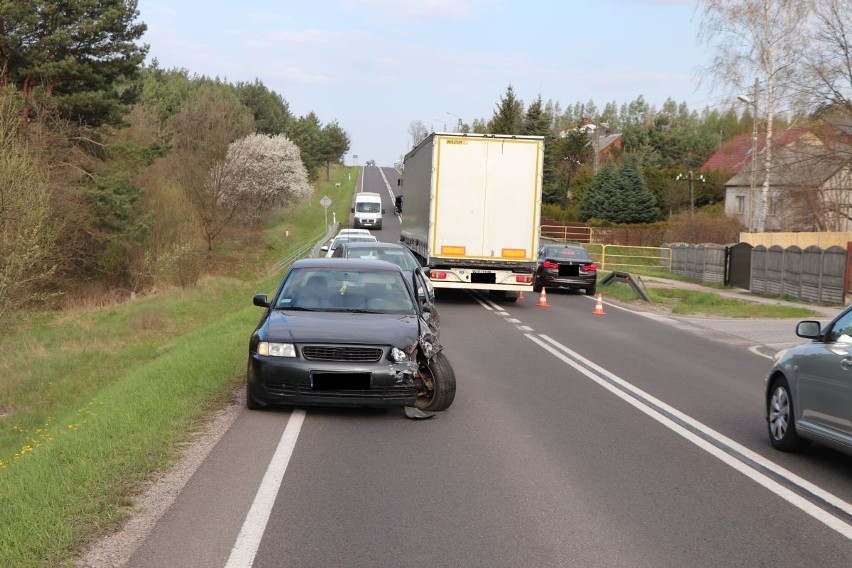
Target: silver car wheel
{"x": 779, "y": 413}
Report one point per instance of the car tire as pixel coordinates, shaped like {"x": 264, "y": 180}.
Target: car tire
{"x": 781, "y": 423}
{"x": 591, "y": 291}
{"x": 251, "y": 401}
{"x": 442, "y": 391}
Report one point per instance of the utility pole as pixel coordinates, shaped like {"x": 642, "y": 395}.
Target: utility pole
{"x": 752, "y": 202}
{"x": 689, "y": 181}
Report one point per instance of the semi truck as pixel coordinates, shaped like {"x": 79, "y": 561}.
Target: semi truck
{"x": 472, "y": 211}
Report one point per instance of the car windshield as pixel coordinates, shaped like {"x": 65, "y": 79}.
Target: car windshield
{"x": 343, "y": 290}
{"x": 396, "y": 256}
{"x": 368, "y": 207}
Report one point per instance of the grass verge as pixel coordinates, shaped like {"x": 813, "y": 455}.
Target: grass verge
{"x": 699, "y": 303}
{"x": 92, "y": 402}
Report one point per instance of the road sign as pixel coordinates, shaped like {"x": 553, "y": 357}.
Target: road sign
{"x": 325, "y": 202}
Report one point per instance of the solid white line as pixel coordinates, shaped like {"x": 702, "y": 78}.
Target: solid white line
{"x": 245, "y": 549}
{"x": 645, "y": 405}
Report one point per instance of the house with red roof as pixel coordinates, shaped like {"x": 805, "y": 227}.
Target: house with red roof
{"x": 810, "y": 181}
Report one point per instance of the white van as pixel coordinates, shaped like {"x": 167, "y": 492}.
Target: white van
{"x": 368, "y": 210}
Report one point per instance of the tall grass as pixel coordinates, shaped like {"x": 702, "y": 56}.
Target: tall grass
{"x": 96, "y": 400}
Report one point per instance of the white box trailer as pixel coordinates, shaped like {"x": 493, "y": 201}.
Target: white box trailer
{"x": 472, "y": 209}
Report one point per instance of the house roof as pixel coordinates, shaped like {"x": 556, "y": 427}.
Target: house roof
{"x": 807, "y": 162}
{"x": 734, "y": 154}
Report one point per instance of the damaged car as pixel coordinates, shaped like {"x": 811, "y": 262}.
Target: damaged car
{"x": 347, "y": 332}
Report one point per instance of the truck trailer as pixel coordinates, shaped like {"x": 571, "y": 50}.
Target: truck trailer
{"x": 472, "y": 210}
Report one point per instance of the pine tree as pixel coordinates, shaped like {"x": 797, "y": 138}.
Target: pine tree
{"x": 633, "y": 202}
{"x": 72, "y": 55}
{"x": 537, "y": 122}
{"x": 597, "y": 201}
{"x": 508, "y": 118}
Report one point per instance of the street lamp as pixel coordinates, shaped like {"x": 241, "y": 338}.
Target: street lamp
{"x": 753, "y": 103}
{"x": 459, "y": 125}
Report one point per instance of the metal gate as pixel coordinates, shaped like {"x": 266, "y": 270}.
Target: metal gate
{"x": 738, "y": 265}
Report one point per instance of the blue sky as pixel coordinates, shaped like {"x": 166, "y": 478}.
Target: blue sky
{"x": 376, "y": 65}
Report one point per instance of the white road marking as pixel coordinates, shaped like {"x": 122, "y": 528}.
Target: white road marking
{"x": 666, "y": 415}
{"x": 245, "y": 549}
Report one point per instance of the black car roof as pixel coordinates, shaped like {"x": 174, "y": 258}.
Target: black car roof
{"x": 349, "y": 263}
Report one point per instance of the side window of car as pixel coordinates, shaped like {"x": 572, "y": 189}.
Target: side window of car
{"x": 842, "y": 330}
{"x": 424, "y": 287}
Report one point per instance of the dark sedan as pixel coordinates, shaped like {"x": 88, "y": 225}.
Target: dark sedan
{"x": 565, "y": 266}
{"x": 341, "y": 332}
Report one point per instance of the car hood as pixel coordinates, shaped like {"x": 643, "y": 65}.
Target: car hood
{"x": 324, "y": 327}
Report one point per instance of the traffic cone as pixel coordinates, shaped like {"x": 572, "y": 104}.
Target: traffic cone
{"x": 599, "y": 311}
{"x": 542, "y": 299}
{"x": 521, "y": 295}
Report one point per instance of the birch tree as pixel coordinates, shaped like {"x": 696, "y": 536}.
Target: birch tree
{"x": 825, "y": 81}
{"x": 757, "y": 38}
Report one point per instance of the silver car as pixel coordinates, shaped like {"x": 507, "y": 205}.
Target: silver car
{"x": 809, "y": 389}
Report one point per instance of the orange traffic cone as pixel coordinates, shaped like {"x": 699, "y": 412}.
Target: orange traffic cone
{"x": 521, "y": 295}
{"x": 542, "y": 299}
{"x": 599, "y": 311}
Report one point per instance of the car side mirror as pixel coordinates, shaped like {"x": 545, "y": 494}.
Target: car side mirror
{"x": 352, "y": 210}
{"x": 324, "y": 248}
{"x": 383, "y": 210}
{"x": 261, "y": 300}
{"x": 809, "y": 329}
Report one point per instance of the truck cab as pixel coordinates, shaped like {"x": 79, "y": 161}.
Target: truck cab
{"x": 368, "y": 211}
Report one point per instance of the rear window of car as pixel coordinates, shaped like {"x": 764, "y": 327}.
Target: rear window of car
{"x": 562, "y": 252}
{"x": 394, "y": 256}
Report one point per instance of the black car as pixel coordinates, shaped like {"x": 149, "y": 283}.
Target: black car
{"x": 346, "y": 332}
{"x": 565, "y": 266}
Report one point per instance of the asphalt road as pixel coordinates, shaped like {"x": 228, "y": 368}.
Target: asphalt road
{"x": 625, "y": 439}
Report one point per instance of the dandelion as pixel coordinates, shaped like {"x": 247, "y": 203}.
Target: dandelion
{"x": 73, "y": 426}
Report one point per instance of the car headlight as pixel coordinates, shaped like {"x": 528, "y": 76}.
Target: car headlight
{"x": 398, "y": 355}
{"x": 276, "y": 349}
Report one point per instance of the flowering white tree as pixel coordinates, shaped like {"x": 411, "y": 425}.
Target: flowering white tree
{"x": 265, "y": 173}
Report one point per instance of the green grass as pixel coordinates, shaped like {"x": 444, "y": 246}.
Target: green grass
{"x": 98, "y": 400}
{"x": 691, "y": 302}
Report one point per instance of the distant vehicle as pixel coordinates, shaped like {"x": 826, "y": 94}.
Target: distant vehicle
{"x": 807, "y": 396}
{"x": 565, "y": 266}
{"x": 391, "y": 252}
{"x": 353, "y": 232}
{"x": 335, "y": 242}
{"x": 371, "y": 162}
{"x": 473, "y": 209}
{"x": 368, "y": 210}
{"x": 348, "y": 333}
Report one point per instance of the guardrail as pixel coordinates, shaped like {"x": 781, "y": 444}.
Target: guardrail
{"x": 609, "y": 257}
{"x": 310, "y": 249}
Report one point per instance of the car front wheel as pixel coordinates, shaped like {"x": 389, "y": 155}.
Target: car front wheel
{"x": 439, "y": 385}
{"x": 781, "y": 419}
